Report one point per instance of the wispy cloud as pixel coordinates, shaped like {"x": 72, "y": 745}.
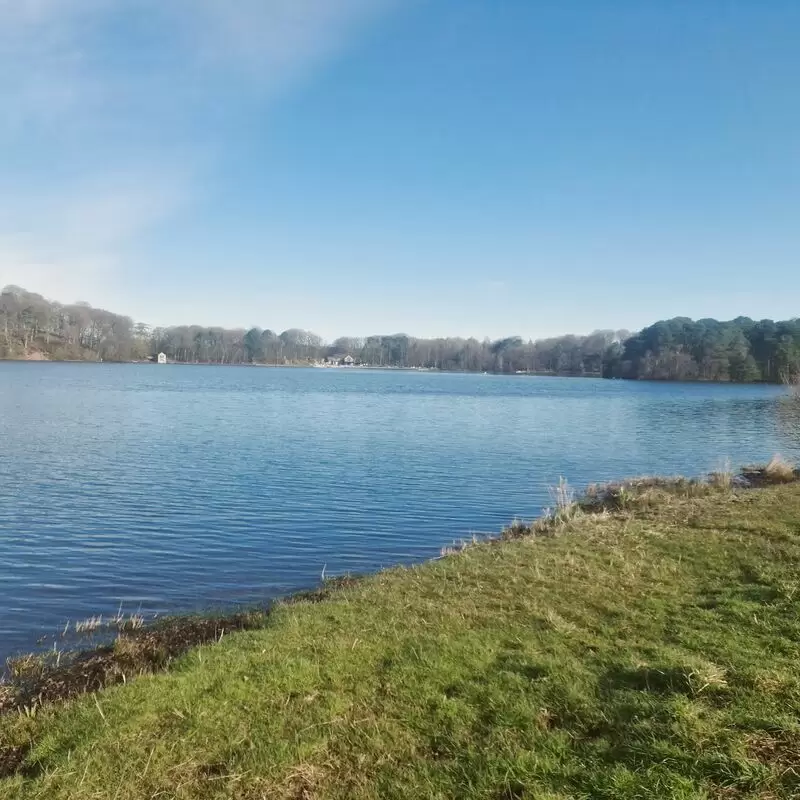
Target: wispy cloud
{"x": 69, "y": 242}
{"x": 115, "y": 209}
{"x": 60, "y": 48}
{"x": 40, "y": 61}
{"x": 277, "y": 38}
{"x": 107, "y": 91}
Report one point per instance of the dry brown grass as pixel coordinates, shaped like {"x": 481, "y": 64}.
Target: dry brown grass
{"x": 642, "y": 493}
{"x": 47, "y": 677}
{"x": 792, "y": 382}
{"x": 779, "y": 470}
{"x": 636, "y": 495}
{"x": 723, "y": 476}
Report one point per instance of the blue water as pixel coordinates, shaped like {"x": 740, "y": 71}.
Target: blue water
{"x": 179, "y": 488}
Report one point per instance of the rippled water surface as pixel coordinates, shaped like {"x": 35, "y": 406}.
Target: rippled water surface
{"x": 177, "y": 488}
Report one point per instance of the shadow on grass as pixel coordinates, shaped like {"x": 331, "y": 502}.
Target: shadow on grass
{"x": 661, "y": 680}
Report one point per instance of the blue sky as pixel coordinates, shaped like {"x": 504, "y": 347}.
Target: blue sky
{"x": 462, "y": 167}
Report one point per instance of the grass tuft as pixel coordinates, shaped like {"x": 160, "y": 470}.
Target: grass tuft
{"x": 791, "y": 380}
{"x": 563, "y": 496}
{"x": 778, "y": 470}
{"x": 642, "y": 494}
{"x": 723, "y": 477}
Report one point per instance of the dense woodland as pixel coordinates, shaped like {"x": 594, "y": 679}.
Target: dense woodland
{"x": 741, "y": 350}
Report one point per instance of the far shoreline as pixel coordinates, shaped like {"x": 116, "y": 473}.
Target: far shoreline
{"x": 378, "y": 368}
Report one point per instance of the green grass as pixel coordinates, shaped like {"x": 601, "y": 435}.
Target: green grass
{"x": 651, "y": 652}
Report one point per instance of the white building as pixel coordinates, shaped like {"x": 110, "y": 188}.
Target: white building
{"x": 340, "y": 361}
{"x": 162, "y": 358}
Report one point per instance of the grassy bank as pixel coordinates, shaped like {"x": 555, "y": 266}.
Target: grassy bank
{"x": 645, "y": 646}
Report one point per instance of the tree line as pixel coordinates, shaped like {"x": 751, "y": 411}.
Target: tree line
{"x": 679, "y": 349}
{"x": 741, "y": 350}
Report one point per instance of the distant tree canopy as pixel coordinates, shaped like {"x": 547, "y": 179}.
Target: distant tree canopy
{"x": 741, "y": 350}
{"x": 31, "y": 324}
{"x": 678, "y": 349}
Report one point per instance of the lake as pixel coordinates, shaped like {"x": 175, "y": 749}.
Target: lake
{"x": 182, "y": 488}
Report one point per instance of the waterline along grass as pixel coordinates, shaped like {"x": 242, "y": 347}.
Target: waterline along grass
{"x": 641, "y": 645}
